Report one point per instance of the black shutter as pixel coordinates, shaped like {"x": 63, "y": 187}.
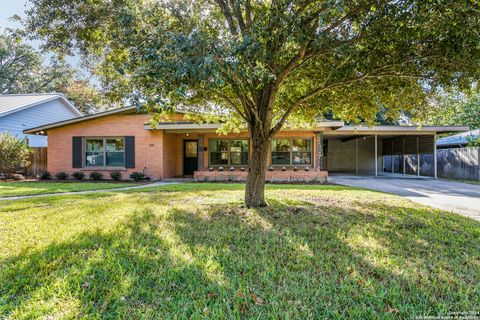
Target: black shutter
{"x": 76, "y": 152}
{"x": 130, "y": 152}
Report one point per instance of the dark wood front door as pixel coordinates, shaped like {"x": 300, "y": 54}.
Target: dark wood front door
{"x": 190, "y": 156}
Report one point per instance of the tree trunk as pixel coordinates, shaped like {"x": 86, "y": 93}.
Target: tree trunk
{"x": 255, "y": 188}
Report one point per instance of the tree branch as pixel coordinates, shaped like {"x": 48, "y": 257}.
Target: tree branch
{"x": 292, "y": 64}
{"x": 228, "y": 100}
{"x": 318, "y": 90}
{"x": 228, "y": 15}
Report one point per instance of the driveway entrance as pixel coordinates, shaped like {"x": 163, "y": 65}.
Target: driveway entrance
{"x": 461, "y": 198}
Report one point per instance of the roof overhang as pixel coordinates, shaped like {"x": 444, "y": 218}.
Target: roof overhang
{"x": 384, "y": 130}
{"x": 182, "y": 127}
{"x": 44, "y": 128}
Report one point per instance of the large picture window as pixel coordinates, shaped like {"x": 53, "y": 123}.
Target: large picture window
{"x": 104, "y": 152}
{"x": 228, "y": 152}
{"x": 292, "y": 151}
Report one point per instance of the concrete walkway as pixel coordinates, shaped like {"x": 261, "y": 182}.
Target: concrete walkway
{"x": 154, "y": 184}
{"x": 461, "y": 198}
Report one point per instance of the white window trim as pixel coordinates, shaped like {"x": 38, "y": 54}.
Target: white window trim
{"x": 290, "y": 150}
{"x": 84, "y": 159}
{"x": 229, "y": 152}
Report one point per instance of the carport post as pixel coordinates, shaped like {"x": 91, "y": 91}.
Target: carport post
{"x": 435, "y": 156}
{"x": 392, "y": 157}
{"x": 418, "y": 159}
{"x": 356, "y": 156}
{"x": 376, "y": 157}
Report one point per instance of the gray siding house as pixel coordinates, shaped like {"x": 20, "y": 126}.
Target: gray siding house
{"x": 21, "y": 111}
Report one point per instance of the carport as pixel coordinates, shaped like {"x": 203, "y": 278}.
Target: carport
{"x": 409, "y": 154}
{"x": 376, "y": 150}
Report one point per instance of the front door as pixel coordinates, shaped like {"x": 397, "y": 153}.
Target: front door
{"x": 190, "y": 156}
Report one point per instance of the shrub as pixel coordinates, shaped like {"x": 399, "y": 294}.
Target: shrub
{"x": 45, "y": 175}
{"x": 14, "y": 153}
{"x": 95, "y": 175}
{"x": 116, "y": 175}
{"x": 137, "y": 176}
{"x": 17, "y": 176}
{"x": 61, "y": 176}
{"x": 78, "y": 175}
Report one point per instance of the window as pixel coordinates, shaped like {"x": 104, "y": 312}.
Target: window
{"x": 291, "y": 151}
{"x": 100, "y": 152}
{"x": 228, "y": 152}
{"x": 281, "y": 152}
{"x": 191, "y": 149}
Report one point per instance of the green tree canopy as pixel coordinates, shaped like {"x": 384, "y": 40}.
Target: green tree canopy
{"x": 268, "y": 61}
{"x": 455, "y": 110}
{"x": 23, "y": 70}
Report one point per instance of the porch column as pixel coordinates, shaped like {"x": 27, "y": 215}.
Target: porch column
{"x": 376, "y": 156}
{"x": 200, "y": 152}
{"x": 435, "y": 156}
{"x": 403, "y": 156}
{"x": 318, "y": 151}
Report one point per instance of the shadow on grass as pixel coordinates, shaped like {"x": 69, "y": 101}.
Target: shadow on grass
{"x": 293, "y": 259}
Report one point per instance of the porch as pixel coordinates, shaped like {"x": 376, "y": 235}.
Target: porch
{"x": 207, "y": 156}
{"x": 297, "y": 155}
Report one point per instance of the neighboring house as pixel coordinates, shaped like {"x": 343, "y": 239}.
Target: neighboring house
{"x": 21, "y": 111}
{"x": 458, "y": 140}
{"x": 123, "y": 140}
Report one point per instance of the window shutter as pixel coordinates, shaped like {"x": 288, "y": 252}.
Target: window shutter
{"x": 130, "y": 152}
{"x": 76, "y": 152}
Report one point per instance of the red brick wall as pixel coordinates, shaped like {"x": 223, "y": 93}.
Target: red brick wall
{"x": 272, "y": 176}
{"x": 161, "y": 154}
{"x": 148, "y": 144}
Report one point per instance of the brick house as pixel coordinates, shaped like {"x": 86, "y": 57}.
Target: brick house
{"x": 123, "y": 140}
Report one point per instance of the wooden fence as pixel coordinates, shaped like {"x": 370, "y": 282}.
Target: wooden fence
{"x": 456, "y": 163}
{"x": 38, "y": 162}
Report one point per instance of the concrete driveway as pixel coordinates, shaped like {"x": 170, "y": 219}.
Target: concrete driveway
{"x": 461, "y": 198}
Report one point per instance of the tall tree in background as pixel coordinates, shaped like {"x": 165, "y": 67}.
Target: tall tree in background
{"x": 454, "y": 109}
{"x": 22, "y": 70}
{"x": 265, "y": 62}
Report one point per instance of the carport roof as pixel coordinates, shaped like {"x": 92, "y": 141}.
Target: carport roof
{"x": 398, "y": 129}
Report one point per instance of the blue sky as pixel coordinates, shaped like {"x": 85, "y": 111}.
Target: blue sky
{"x": 9, "y": 8}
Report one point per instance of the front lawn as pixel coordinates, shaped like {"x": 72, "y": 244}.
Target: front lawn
{"x": 191, "y": 251}
{"x": 23, "y": 188}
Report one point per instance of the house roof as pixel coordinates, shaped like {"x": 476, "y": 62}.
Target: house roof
{"x": 337, "y": 127}
{"x": 399, "y": 129}
{"x": 10, "y": 103}
{"x": 41, "y": 129}
{"x": 460, "y": 139}
{"x": 184, "y": 125}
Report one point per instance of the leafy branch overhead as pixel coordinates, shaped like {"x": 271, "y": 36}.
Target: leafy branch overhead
{"x": 264, "y": 63}
{"x": 299, "y": 58}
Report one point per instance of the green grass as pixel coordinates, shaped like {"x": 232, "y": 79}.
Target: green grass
{"x": 192, "y": 251}
{"x": 23, "y": 188}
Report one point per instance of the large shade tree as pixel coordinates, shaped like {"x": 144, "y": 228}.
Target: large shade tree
{"x": 270, "y": 63}
{"x": 23, "y": 69}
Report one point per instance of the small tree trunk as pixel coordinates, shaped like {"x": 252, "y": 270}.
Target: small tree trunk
{"x": 255, "y": 188}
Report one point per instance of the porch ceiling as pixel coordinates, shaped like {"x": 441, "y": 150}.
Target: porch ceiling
{"x": 183, "y": 127}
